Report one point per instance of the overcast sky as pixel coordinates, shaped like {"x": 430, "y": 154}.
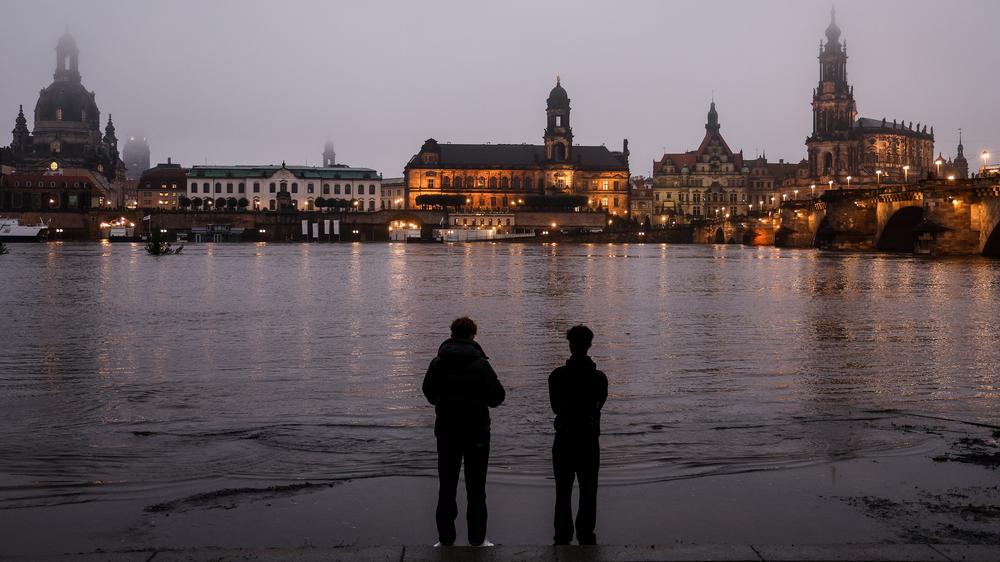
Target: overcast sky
{"x": 253, "y": 82}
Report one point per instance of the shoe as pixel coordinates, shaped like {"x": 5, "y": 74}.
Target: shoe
{"x": 486, "y": 542}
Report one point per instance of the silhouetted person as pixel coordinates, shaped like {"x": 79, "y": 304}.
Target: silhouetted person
{"x": 462, "y": 386}
{"x": 577, "y": 392}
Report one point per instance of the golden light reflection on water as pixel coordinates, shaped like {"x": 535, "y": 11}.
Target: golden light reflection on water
{"x": 307, "y": 360}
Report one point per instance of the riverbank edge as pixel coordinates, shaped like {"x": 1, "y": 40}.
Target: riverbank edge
{"x": 618, "y": 553}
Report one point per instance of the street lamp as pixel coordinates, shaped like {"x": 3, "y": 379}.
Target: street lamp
{"x": 906, "y": 173}
{"x": 848, "y": 182}
{"x": 878, "y": 177}
{"x": 986, "y": 159}
{"x": 831, "y": 184}
{"x": 812, "y": 190}
{"x": 938, "y": 163}
{"x": 796, "y": 192}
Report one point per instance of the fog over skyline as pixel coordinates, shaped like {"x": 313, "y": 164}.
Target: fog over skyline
{"x": 232, "y": 82}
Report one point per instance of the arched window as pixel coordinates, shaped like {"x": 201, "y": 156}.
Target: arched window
{"x": 229, "y": 188}
{"x": 295, "y": 187}
{"x": 218, "y": 187}
{"x": 481, "y": 182}
{"x": 504, "y": 183}
{"x": 469, "y": 182}
{"x": 517, "y": 183}
{"x": 493, "y": 182}
{"x": 458, "y": 182}
{"x": 559, "y": 152}
{"x": 326, "y": 189}
{"x": 445, "y": 182}
{"x": 272, "y": 187}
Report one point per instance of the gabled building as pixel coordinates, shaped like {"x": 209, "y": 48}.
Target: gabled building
{"x": 713, "y": 182}
{"x": 494, "y": 177}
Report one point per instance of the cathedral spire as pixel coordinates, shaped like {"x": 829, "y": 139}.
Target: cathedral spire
{"x": 961, "y": 149}
{"x": 833, "y": 32}
{"x": 713, "y": 118}
{"x": 21, "y": 134}
{"x": 109, "y": 133}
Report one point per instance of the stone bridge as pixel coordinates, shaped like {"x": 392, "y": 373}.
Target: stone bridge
{"x": 935, "y": 217}
{"x": 748, "y": 231}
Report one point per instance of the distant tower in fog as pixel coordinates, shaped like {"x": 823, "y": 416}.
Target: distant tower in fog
{"x": 329, "y": 156}
{"x": 136, "y": 156}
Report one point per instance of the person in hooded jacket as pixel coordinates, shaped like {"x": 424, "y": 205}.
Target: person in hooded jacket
{"x": 462, "y": 387}
{"x": 577, "y": 392}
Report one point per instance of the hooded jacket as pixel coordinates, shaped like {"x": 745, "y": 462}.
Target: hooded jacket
{"x": 577, "y": 392}
{"x": 462, "y": 386}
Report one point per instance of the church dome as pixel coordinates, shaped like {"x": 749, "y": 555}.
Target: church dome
{"x": 558, "y": 96}
{"x": 76, "y": 103}
{"x": 833, "y": 30}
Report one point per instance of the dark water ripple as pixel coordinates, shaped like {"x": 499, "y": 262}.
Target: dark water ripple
{"x": 124, "y": 374}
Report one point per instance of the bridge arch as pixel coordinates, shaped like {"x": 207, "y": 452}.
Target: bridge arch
{"x": 992, "y": 247}
{"x": 720, "y": 236}
{"x": 897, "y": 235}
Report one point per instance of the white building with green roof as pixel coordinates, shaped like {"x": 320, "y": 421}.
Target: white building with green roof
{"x": 272, "y": 188}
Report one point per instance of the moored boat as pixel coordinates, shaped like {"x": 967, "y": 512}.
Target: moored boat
{"x": 11, "y": 230}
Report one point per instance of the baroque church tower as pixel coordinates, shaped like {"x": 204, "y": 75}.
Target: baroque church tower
{"x": 558, "y": 134}
{"x": 831, "y": 152}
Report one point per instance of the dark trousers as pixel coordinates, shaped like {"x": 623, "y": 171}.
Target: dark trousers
{"x": 576, "y": 456}
{"x": 475, "y": 449}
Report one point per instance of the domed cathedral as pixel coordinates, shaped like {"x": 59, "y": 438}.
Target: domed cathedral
{"x": 867, "y": 150}
{"x": 67, "y": 125}
{"x": 496, "y": 177}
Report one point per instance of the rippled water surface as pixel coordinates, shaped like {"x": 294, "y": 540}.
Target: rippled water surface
{"x": 305, "y": 361}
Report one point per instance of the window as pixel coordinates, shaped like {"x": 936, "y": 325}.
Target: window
{"x": 697, "y": 198}
{"x": 347, "y": 189}
{"x": 326, "y": 189}
{"x": 446, "y": 182}
{"x": 272, "y": 187}
{"x": 616, "y": 201}
{"x": 604, "y": 185}
{"x": 504, "y": 182}
{"x": 371, "y": 189}
{"x": 336, "y": 189}
{"x": 732, "y": 197}
{"x": 493, "y": 182}
{"x": 205, "y": 188}
{"x": 430, "y": 184}
{"x": 669, "y": 195}
{"x": 242, "y": 188}
{"x": 218, "y": 187}
{"x": 59, "y": 114}
{"x": 541, "y": 183}
{"x": 458, "y": 182}
{"x": 256, "y": 187}
{"x": 295, "y": 187}
{"x": 493, "y": 201}
{"x": 283, "y": 187}
{"x": 194, "y": 188}
{"x": 696, "y": 211}
{"x": 517, "y": 183}
{"x": 481, "y": 182}
{"x": 616, "y": 184}
{"x": 310, "y": 188}
{"x": 371, "y": 204}
{"x": 229, "y": 188}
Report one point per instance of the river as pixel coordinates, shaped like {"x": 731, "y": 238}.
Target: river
{"x": 124, "y": 374}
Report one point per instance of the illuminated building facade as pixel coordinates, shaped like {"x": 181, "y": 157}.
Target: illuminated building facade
{"x": 868, "y": 150}
{"x": 162, "y": 187}
{"x": 496, "y": 177}
{"x": 715, "y": 182}
{"x": 284, "y": 187}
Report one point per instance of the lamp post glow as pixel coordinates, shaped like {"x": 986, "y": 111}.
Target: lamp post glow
{"x": 831, "y": 184}
{"x": 986, "y": 159}
{"x": 796, "y": 192}
{"x": 849, "y": 182}
{"x": 938, "y": 163}
{"x": 878, "y": 177}
{"x": 906, "y": 173}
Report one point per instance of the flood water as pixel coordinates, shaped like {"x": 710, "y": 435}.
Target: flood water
{"x": 121, "y": 373}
